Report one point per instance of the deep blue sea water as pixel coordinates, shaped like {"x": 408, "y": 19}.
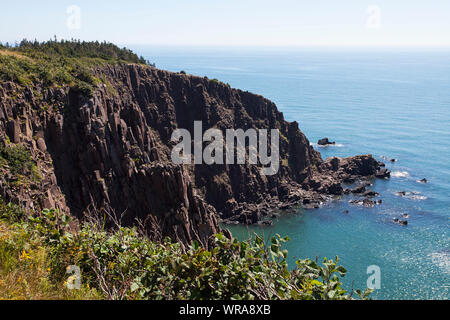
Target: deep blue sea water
{"x": 392, "y": 103}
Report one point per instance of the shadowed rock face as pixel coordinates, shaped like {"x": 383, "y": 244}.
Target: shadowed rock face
{"x": 113, "y": 150}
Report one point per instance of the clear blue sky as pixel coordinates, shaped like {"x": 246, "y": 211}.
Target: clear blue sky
{"x": 234, "y": 22}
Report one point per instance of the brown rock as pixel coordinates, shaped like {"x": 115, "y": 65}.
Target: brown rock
{"x": 14, "y": 131}
{"x": 325, "y": 142}
{"x": 41, "y": 145}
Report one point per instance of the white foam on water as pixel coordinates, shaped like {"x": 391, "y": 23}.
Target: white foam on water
{"x": 417, "y": 197}
{"x": 413, "y": 195}
{"x": 336, "y": 145}
{"x": 400, "y": 174}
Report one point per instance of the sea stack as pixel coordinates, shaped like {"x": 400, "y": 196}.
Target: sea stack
{"x": 325, "y": 142}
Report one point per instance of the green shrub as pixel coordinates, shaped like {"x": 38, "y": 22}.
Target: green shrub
{"x": 19, "y": 159}
{"x": 11, "y": 213}
{"x": 122, "y": 264}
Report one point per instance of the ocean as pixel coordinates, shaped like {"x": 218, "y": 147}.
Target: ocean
{"x": 392, "y": 103}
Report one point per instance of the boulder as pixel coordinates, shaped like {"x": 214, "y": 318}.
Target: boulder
{"x": 325, "y": 142}
{"x": 352, "y": 168}
{"x": 366, "y": 203}
{"x": 370, "y": 193}
{"x": 369, "y": 203}
{"x": 401, "y": 222}
{"x": 383, "y": 173}
{"x": 361, "y": 188}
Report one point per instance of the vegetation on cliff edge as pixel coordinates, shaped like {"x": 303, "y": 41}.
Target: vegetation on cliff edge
{"x": 121, "y": 263}
{"x": 58, "y": 63}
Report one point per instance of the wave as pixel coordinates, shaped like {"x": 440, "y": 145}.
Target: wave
{"x": 418, "y": 197}
{"x": 413, "y": 195}
{"x": 336, "y": 145}
{"x": 400, "y": 174}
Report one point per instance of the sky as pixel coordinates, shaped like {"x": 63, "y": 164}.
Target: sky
{"x": 231, "y": 22}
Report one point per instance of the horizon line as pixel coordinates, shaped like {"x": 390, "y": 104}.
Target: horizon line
{"x": 268, "y": 46}
{"x": 444, "y": 46}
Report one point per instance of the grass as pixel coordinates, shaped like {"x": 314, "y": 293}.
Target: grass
{"x": 18, "y": 55}
{"x": 25, "y": 273}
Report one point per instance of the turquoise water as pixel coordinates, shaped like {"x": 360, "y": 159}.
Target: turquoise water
{"x": 393, "y": 104}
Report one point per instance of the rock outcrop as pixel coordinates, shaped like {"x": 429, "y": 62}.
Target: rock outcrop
{"x": 113, "y": 150}
{"x": 325, "y": 142}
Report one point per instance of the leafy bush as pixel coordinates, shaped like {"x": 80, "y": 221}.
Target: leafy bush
{"x": 122, "y": 264}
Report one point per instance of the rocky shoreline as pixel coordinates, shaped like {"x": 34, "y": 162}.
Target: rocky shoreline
{"x": 323, "y": 186}
{"x": 112, "y": 151}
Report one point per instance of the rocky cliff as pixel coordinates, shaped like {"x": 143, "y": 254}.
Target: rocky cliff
{"x": 112, "y": 150}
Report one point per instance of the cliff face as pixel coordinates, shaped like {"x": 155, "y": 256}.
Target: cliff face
{"x": 160, "y": 102}
{"x": 113, "y": 151}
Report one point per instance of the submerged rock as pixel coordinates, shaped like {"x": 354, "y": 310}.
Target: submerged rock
{"x": 403, "y": 222}
{"x": 266, "y": 223}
